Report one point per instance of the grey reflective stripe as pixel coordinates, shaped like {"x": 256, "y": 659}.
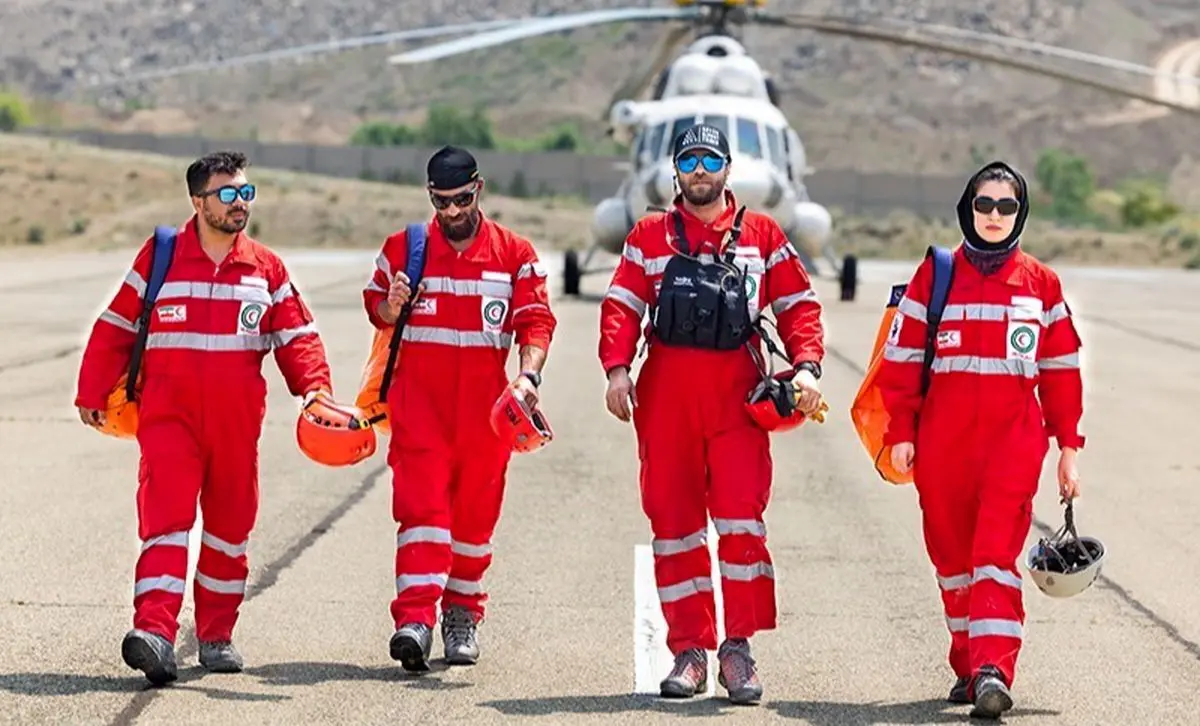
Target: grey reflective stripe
{"x": 740, "y": 526}
{"x": 1059, "y": 362}
{"x": 746, "y": 572}
{"x": 991, "y": 572}
{"x": 753, "y": 263}
{"x": 165, "y": 583}
{"x": 112, "y": 318}
{"x": 172, "y": 539}
{"x": 984, "y": 366}
{"x": 954, "y": 582}
{"x": 531, "y": 306}
{"x": 627, "y": 298}
{"x": 200, "y": 341}
{"x": 997, "y": 626}
{"x": 462, "y": 549}
{"x": 457, "y": 338}
{"x": 531, "y": 269}
{"x": 464, "y": 587}
{"x": 220, "y": 545}
{"x": 382, "y": 264}
{"x": 255, "y": 281}
{"x": 656, "y": 265}
{"x": 137, "y": 282}
{"x": 486, "y": 288}
{"x": 634, "y": 255}
{"x": 217, "y": 291}
{"x": 283, "y": 293}
{"x": 781, "y": 255}
{"x": 436, "y": 535}
{"x": 787, "y": 302}
{"x": 1054, "y": 314}
{"x": 372, "y": 285}
{"x": 897, "y": 354}
{"x": 687, "y": 588}
{"x": 976, "y": 311}
{"x": 912, "y": 309}
{"x": 403, "y": 582}
{"x": 287, "y": 335}
{"x": 224, "y": 587}
{"x": 957, "y": 625}
{"x": 667, "y": 547}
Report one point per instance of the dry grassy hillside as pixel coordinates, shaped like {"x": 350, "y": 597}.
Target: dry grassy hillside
{"x": 65, "y": 196}
{"x": 856, "y": 104}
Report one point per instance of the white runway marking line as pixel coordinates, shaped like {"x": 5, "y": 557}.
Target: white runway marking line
{"x": 651, "y": 659}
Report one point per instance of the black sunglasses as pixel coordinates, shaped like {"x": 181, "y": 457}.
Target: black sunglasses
{"x": 1007, "y": 206}
{"x": 229, "y": 192}
{"x": 462, "y": 199}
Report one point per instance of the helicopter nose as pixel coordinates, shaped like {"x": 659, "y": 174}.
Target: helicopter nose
{"x": 754, "y": 185}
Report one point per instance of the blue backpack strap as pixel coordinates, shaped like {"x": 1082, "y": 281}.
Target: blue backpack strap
{"x": 161, "y": 255}
{"x": 943, "y": 277}
{"x": 414, "y": 268}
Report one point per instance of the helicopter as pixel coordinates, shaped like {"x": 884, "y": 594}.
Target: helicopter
{"x": 714, "y": 80}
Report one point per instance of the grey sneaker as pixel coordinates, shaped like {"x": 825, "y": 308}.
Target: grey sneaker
{"x": 151, "y": 654}
{"x": 411, "y": 645}
{"x": 220, "y": 657}
{"x": 958, "y": 692}
{"x": 737, "y": 673}
{"x": 459, "y": 636}
{"x": 688, "y": 677}
{"x": 991, "y": 694}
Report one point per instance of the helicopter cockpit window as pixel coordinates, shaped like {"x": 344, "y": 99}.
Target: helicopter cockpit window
{"x": 655, "y": 144}
{"x": 775, "y": 147}
{"x": 748, "y": 141}
{"x": 721, "y": 122}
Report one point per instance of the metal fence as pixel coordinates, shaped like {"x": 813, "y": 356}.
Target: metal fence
{"x": 591, "y": 177}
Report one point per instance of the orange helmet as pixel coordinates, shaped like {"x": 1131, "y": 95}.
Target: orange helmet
{"x": 120, "y": 413}
{"x": 332, "y": 434}
{"x": 525, "y": 428}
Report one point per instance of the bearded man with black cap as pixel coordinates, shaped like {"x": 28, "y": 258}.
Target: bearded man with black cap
{"x": 701, "y": 452}
{"x": 483, "y": 286}
{"x": 1006, "y": 339}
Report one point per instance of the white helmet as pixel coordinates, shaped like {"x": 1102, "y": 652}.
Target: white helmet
{"x": 1062, "y": 565}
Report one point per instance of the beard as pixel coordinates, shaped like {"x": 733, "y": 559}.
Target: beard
{"x": 461, "y": 227}
{"x": 703, "y": 192}
{"x": 229, "y": 223}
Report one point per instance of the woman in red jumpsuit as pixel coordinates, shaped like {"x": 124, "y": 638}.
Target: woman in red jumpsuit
{"x": 1006, "y": 340}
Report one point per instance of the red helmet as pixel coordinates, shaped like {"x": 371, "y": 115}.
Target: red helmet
{"x": 772, "y": 404}
{"x": 332, "y": 434}
{"x": 525, "y": 428}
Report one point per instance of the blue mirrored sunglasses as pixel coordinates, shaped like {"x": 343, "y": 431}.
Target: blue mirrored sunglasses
{"x": 229, "y": 192}
{"x": 712, "y": 163}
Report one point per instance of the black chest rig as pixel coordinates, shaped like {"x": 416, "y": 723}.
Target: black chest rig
{"x": 704, "y": 305}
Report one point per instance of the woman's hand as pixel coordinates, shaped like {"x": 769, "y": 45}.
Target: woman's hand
{"x": 902, "y": 456}
{"x": 1068, "y": 474}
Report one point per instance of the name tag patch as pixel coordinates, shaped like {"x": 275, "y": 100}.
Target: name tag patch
{"x": 172, "y": 313}
{"x": 1026, "y": 308}
{"x": 949, "y": 339}
{"x": 425, "y": 306}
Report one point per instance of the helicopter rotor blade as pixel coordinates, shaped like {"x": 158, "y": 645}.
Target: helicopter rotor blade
{"x": 637, "y": 82}
{"x": 539, "y": 26}
{"x": 855, "y": 30}
{"x": 300, "y": 51}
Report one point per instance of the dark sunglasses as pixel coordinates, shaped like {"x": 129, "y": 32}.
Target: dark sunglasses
{"x": 712, "y": 163}
{"x": 1007, "y": 206}
{"x": 462, "y": 199}
{"x": 228, "y": 193}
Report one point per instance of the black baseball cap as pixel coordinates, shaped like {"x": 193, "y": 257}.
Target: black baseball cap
{"x": 451, "y": 167}
{"x": 701, "y": 136}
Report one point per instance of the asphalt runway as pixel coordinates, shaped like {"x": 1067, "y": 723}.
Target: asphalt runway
{"x": 861, "y": 637}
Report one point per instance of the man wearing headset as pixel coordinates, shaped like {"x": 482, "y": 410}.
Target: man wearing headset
{"x": 703, "y": 455}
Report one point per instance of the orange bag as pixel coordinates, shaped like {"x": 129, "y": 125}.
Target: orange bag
{"x": 372, "y": 381}
{"x": 867, "y": 413}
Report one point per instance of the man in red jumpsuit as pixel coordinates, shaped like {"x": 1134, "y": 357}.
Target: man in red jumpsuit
{"x": 483, "y": 287}
{"x": 227, "y": 301}
{"x": 700, "y": 451}
{"x": 1005, "y": 339}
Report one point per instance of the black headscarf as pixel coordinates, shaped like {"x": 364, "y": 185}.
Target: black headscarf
{"x": 989, "y": 256}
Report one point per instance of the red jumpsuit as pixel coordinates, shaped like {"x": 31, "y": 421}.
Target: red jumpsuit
{"x": 201, "y": 414}
{"x": 983, "y": 436}
{"x": 700, "y": 451}
{"x": 448, "y": 466}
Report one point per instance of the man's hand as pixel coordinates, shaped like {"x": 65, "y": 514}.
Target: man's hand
{"x": 93, "y": 417}
{"x": 1068, "y": 474}
{"x": 902, "y": 456}
{"x": 525, "y": 389}
{"x": 620, "y": 394}
{"x": 398, "y": 294}
{"x": 808, "y": 396}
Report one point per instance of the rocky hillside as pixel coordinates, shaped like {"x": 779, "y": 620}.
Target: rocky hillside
{"x": 855, "y": 103}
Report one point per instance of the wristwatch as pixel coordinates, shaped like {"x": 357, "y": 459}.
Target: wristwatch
{"x": 812, "y": 367}
{"x": 534, "y": 377}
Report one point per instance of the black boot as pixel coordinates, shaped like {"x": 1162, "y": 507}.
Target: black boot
{"x": 151, "y": 654}
{"x": 991, "y": 693}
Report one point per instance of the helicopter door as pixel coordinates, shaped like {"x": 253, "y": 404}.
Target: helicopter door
{"x": 797, "y": 163}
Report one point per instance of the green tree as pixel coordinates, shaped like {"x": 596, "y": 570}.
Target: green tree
{"x": 14, "y": 114}
{"x": 449, "y": 125}
{"x": 1068, "y": 180}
